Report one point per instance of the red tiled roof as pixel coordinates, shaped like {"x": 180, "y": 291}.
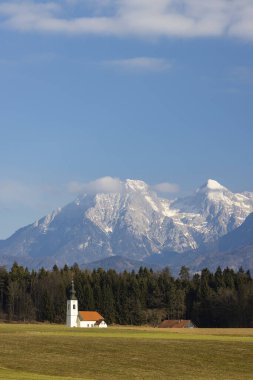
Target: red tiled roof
{"x": 176, "y": 323}
{"x": 90, "y": 316}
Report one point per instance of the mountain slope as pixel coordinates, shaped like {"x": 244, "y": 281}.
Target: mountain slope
{"x": 240, "y": 237}
{"x": 118, "y": 263}
{"x": 233, "y": 250}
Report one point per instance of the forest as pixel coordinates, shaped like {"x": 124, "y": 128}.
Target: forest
{"x": 220, "y": 299}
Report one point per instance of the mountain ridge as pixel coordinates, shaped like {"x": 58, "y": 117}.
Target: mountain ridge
{"x": 133, "y": 222}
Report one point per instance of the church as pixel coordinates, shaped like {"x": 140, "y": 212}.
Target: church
{"x": 84, "y": 319}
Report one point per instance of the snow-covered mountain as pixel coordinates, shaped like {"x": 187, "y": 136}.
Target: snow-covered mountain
{"x": 213, "y": 210}
{"x": 133, "y": 222}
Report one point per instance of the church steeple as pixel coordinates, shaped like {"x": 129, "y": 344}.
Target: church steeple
{"x": 72, "y": 293}
{"x": 72, "y": 308}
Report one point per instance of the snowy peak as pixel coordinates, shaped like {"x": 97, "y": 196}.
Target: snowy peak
{"x": 211, "y": 185}
{"x": 214, "y": 192}
{"x": 136, "y": 185}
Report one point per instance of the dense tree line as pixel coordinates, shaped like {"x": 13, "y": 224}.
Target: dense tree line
{"x": 220, "y": 299}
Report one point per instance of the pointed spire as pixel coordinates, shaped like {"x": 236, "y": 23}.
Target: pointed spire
{"x": 72, "y": 292}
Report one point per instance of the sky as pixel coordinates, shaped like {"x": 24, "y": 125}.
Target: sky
{"x": 93, "y": 91}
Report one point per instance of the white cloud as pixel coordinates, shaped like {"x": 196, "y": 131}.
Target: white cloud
{"x": 145, "y": 18}
{"x": 111, "y": 185}
{"x": 166, "y": 187}
{"x": 14, "y": 193}
{"x": 100, "y": 185}
{"x": 141, "y": 64}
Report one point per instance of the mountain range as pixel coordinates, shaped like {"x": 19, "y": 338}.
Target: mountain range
{"x": 132, "y": 225}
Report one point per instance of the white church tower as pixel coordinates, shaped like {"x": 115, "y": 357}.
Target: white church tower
{"x": 72, "y": 308}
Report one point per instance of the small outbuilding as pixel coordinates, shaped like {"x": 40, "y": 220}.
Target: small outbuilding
{"x": 176, "y": 324}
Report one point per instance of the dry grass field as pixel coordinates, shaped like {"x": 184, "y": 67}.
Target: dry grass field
{"x": 43, "y": 352}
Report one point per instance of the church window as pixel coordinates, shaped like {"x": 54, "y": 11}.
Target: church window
{"x": 74, "y": 306}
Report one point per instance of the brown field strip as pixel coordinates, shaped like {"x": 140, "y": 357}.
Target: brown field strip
{"x": 54, "y": 352}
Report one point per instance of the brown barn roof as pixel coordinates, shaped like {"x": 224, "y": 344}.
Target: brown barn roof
{"x": 176, "y": 323}
{"x": 90, "y": 316}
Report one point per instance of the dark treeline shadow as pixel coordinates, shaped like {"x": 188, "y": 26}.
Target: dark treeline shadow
{"x": 220, "y": 299}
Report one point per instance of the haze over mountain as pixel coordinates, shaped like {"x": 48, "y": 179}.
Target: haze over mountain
{"x": 133, "y": 222}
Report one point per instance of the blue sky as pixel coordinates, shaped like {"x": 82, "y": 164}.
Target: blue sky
{"x": 160, "y": 91}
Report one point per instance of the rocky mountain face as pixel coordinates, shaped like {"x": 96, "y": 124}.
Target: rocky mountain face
{"x": 240, "y": 237}
{"x": 233, "y": 250}
{"x": 133, "y": 222}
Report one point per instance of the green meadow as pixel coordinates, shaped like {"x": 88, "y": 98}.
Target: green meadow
{"x": 43, "y": 352}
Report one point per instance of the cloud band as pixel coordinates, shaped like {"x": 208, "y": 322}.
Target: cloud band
{"x": 144, "y": 18}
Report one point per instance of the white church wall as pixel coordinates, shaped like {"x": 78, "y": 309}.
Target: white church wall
{"x": 72, "y": 313}
{"x": 87, "y": 324}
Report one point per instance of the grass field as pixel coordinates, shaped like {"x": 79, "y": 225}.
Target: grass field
{"x": 43, "y": 352}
